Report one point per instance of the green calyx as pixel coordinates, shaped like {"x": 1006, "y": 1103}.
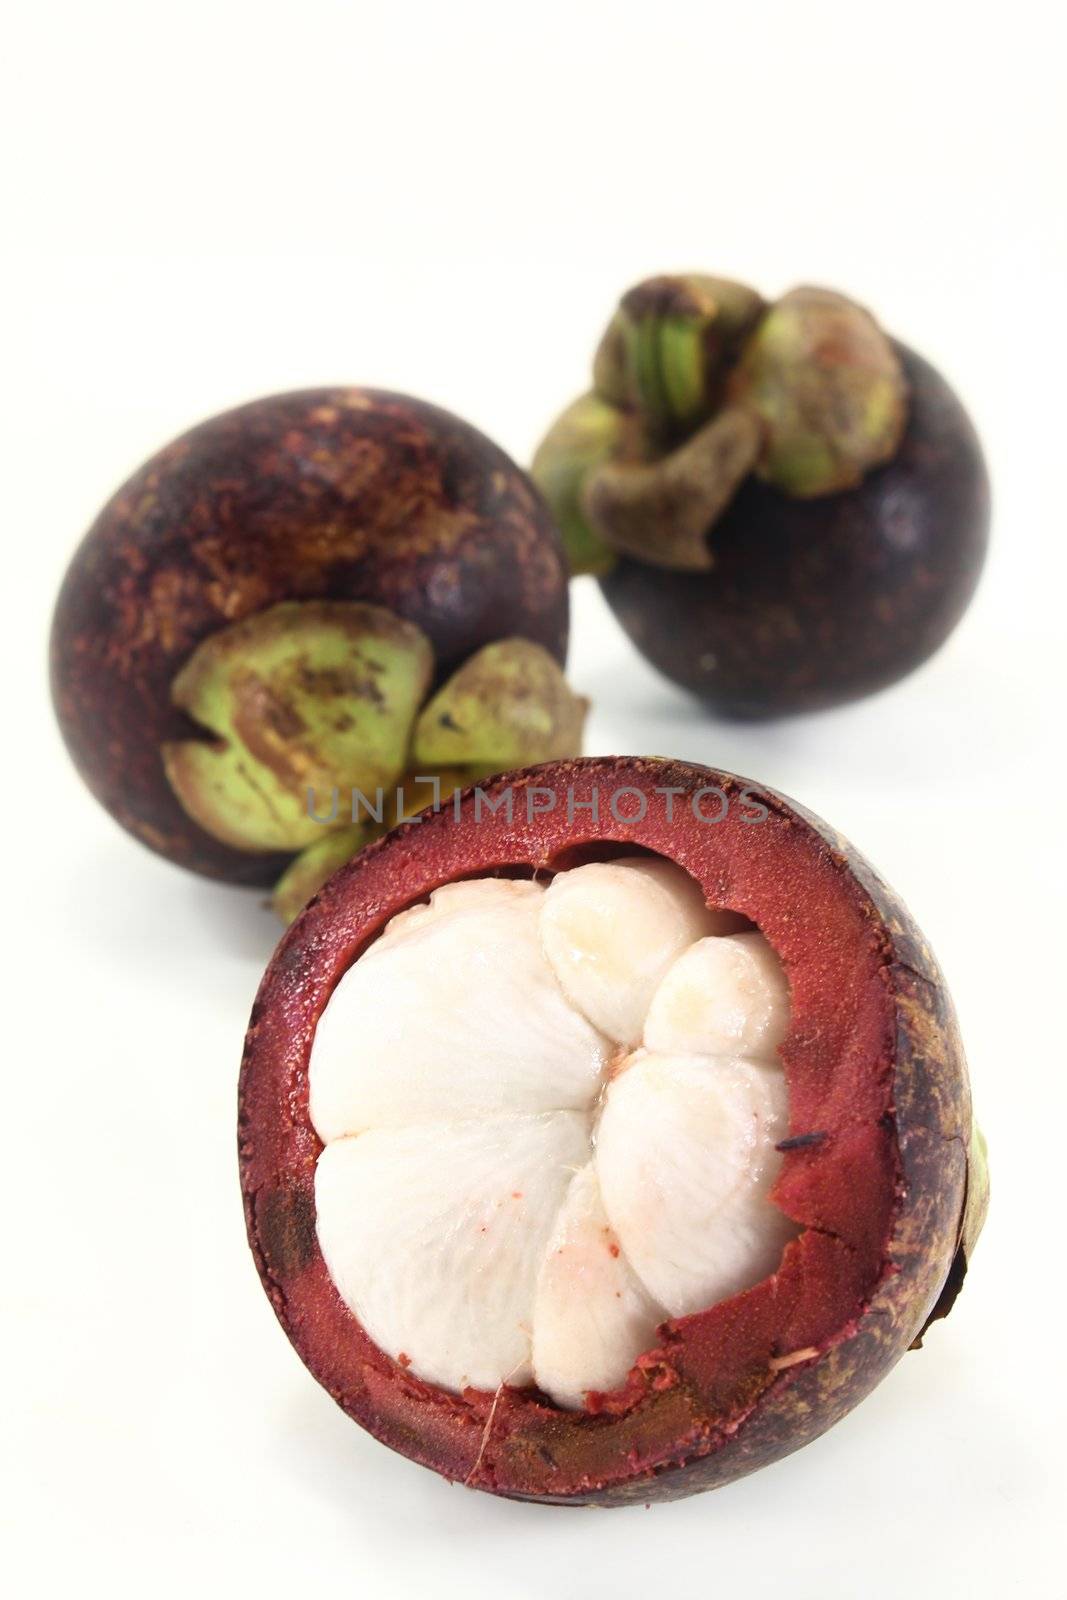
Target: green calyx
{"x": 415, "y": 792}
{"x": 304, "y": 698}
{"x": 829, "y": 389}
{"x": 698, "y": 383}
{"x": 680, "y": 496}
{"x": 658, "y": 379}
{"x": 588, "y": 433}
{"x": 509, "y": 705}
{"x": 319, "y": 736}
{"x": 667, "y": 347}
{"x": 305, "y": 876}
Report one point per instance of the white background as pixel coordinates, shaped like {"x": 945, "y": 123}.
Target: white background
{"x": 209, "y": 201}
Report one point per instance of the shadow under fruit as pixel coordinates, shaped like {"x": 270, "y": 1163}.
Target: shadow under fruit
{"x": 298, "y": 595}
{"x": 785, "y": 508}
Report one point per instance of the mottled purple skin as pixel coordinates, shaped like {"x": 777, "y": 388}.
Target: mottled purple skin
{"x": 814, "y": 602}
{"x": 339, "y": 494}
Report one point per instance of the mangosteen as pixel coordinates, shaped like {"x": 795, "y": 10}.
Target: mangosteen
{"x": 606, "y": 1135}
{"x": 323, "y": 594}
{"x": 786, "y": 508}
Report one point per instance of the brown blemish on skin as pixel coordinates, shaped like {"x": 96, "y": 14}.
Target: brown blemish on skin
{"x": 285, "y": 1219}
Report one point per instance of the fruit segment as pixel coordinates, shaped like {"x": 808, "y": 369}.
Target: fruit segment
{"x": 506, "y": 1196}
{"x": 592, "y": 1315}
{"x": 478, "y": 894}
{"x": 721, "y": 997}
{"x": 434, "y": 1236}
{"x": 454, "y": 1013}
{"x": 611, "y": 930}
{"x": 686, "y": 1161}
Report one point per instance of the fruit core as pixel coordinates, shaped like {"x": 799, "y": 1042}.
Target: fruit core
{"x": 549, "y": 1117}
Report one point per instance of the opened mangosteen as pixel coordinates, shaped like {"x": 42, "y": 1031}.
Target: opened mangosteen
{"x": 605, "y": 1135}
{"x": 786, "y": 508}
{"x": 324, "y": 594}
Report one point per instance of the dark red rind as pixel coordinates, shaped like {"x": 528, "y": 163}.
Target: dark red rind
{"x": 339, "y": 494}
{"x": 811, "y": 603}
{"x": 873, "y": 1059}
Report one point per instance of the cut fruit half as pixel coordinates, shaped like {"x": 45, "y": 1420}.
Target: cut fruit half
{"x": 601, "y": 1160}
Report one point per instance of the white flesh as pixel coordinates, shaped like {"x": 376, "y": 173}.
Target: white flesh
{"x": 685, "y": 1155}
{"x": 592, "y": 1314}
{"x": 502, "y": 1199}
{"x": 612, "y": 928}
{"x": 434, "y": 1236}
{"x": 721, "y": 997}
{"x": 455, "y": 1015}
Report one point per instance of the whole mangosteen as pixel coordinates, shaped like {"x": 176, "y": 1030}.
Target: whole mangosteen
{"x": 606, "y": 1135}
{"x": 319, "y": 594}
{"x": 786, "y": 508}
